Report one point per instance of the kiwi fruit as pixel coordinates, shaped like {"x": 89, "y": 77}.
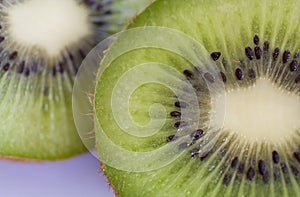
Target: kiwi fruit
{"x": 42, "y": 44}
{"x": 201, "y": 98}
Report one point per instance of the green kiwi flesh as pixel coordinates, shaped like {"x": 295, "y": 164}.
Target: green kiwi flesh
{"x": 36, "y": 81}
{"x": 255, "y": 45}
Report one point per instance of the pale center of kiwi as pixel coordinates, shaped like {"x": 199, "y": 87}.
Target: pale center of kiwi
{"x": 262, "y": 112}
{"x": 49, "y": 24}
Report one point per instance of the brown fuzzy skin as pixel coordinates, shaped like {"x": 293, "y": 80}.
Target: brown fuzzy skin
{"x": 28, "y": 160}
{"x": 102, "y": 166}
{"x": 130, "y": 21}
{"x": 20, "y": 159}
{"x": 103, "y": 169}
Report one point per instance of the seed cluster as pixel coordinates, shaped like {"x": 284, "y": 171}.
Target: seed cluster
{"x": 256, "y": 169}
{"x": 256, "y": 53}
{"x": 25, "y": 61}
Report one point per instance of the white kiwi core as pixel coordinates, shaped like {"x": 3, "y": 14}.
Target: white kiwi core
{"x": 48, "y": 24}
{"x": 262, "y": 112}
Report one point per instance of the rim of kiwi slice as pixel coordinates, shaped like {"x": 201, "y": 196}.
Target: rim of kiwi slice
{"x": 42, "y": 44}
{"x": 252, "y": 48}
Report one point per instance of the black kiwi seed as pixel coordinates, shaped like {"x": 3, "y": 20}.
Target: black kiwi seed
{"x": 27, "y": 72}
{"x": 34, "y": 67}
{"x": 194, "y": 153}
{"x": 293, "y": 65}
{"x": 239, "y": 74}
{"x": 241, "y": 168}
{"x": 283, "y": 167}
{"x": 81, "y": 53}
{"x": 61, "y": 67}
{"x": 258, "y": 52}
{"x": 70, "y": 55}
{"x": 175, "y": 114}
{"x": 294, "y": 170}
{"x": 197, "y": 86}
{"x": 249, "y": 53}
{"x": 226, "y": 179}
{"x": 171, "y": 138}
{"x": 21, "y": 67}
{"x": 13, "y": 55}
{"x": 286, "y": 56}
{"x": 2, "y": 38}
{"x": 108, "y": 12}
{"x": 297, "y": 156}
{"x": 6, "y": 67}
{"x": 99, "y": 6}
{"x": 297, "y": 80}
{"x": 266, "y": 46}
{"x": 266, "y": 177}
{"x": 180, "y": 104}
{"x": 256, "y": 40}
{"x": 197, "y": 134}
{"x": 180, "y": 124}
{"x": 251, "y": 73}
{"x": 89, "y": 2}
{"x": 234, "y": 162}
{"x": 262, "y": 167}
{"x": 251, "y": 174}
{"x": 215, "y": 55}
{"x": 209, "y": 77}
{"x": 203, "y": 157}
{"x": 276, "y": 157}
{"x": 276, "y": 54}
{"x": 188, "y": 73}
{"x": 223, "y": 76}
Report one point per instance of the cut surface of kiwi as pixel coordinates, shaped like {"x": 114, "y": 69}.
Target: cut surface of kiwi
{"x": 42, "y": 44}
{"x": 163, "y": 126}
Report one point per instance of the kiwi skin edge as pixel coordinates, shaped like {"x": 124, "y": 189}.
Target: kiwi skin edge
{"x": 102, "y": 166}
{"x": 240, "y": 74}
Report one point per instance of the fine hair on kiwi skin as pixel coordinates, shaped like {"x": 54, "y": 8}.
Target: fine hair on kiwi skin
{"x": 255, "y": 45}
{"x": 42, "y": 44}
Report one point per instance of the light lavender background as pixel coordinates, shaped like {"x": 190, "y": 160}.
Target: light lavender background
{"x": 75, "y": 177}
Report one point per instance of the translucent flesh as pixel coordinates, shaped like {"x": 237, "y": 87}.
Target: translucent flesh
{"x": 51, "y": 37}
{"x": 228, "y": 27}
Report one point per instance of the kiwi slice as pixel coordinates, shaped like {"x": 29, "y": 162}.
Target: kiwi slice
{"x": 208, "y": 107}
{"x": 42, "y": 44}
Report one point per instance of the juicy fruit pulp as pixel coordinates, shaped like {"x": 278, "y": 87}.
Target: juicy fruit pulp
{"x": 36, "y": 80}
{"x": 42, "y": 44}
{"x": 255, "y": 45}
